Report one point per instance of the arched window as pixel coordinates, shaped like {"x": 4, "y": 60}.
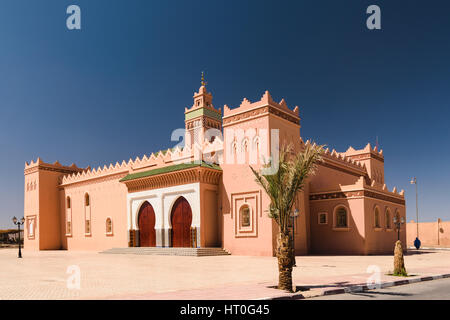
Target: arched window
{"x": 341, "y": 218}
{"x": 255, "y": 143}
{"x": 68, "y": 216}
{"x": 233, "y": 147}
{"x": 69, "y": 228}
{"x": 88, "y": 227}
{"x": 244, "y": 216}
{"x": 87, "y": 214}
{"x": 109, "y": 228}
{"x": 388, "y": 219}
{"x": 244, "y": 145}
{"x": 377, "y": 218}
{"x": 31, "y": 228}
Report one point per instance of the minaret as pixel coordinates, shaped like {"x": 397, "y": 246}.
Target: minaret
{"x": 201, "y": 117}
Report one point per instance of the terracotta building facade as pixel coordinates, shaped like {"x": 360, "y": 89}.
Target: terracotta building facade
{"x": 203, "y": 194}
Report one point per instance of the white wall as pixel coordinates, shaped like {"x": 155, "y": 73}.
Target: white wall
{"x": 162, "y": 201}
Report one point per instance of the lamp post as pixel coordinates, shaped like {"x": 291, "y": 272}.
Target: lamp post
{"x": 19, "y": 223}
{"x": 417, "y": 241}
{"x": 398, "y": 223}
{"x": 294, "y": 215}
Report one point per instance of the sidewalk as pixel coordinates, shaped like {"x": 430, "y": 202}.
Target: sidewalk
{"x": 45, "y": 275}
{"x": 309, "y": 288}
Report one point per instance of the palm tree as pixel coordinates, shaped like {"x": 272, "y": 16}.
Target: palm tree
{"x": 282, "y": 189}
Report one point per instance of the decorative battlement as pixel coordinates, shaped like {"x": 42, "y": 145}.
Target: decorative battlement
{"x": 335, "y": 156}
{"x": 362, "y": 189}
{"x": 383, "y": 187}
{"x": 37, "y": 165}
{"x": 95, "y": 173}
{"x": 163, "y": 158}
{"x": 354, "y": 159}
{"x": 364, "y": 154}
{"x": 266, "y": 105}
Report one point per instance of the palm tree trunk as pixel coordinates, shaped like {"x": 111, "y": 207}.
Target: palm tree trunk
{"x": 285, "y": 261}
{"x": 399, "y": 262}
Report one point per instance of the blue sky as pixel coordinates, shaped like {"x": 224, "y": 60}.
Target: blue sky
{"x": 117, "y": 88}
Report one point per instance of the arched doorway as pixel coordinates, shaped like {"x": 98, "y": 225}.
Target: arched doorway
{"x": 181, "y": 219}
{"x": 147, "y": 235}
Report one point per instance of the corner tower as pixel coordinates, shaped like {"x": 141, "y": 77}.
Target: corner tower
{"x": 201, "y": 117}
{"x": 371, "y": 158}
{"x": 43, "y": 200}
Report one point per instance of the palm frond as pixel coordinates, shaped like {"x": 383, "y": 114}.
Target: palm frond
{"x": 283, "y": 186}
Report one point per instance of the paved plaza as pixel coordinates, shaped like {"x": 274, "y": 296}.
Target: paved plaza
{"x": 46, "y": 274}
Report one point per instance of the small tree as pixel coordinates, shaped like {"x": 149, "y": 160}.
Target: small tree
{"x": 282, "y": 189}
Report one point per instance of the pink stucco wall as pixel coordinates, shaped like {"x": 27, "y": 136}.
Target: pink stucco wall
{"x": 210, "y": 236}
{"x": 431, "y": 234}
{"x": 323, "y": 233}
{"x": 107, "y": 200}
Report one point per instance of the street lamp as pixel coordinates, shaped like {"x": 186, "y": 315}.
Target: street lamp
{"x": 19, "y": 223}
{"x": 417, "y": 241}
{"x": 294, "y": 215}
{"x": 398, "y": 223}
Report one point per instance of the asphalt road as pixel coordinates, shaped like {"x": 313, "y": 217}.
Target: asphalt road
{"x": 425, "y": 290}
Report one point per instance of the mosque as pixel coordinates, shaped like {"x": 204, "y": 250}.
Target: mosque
{"x": 202, "y": 194}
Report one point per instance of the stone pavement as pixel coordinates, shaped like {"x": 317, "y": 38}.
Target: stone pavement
{"x": 43, "y": 275}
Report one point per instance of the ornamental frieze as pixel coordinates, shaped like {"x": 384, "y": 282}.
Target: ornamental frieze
{"x": 376, "y": 195}
{"x": 366, "y": 156}
{"x": 259, "y": 111}
{"x": 336, "y": 195}
{"x": 61, "y": 170}
{"x": 174, "y": 178}
{"x": 354, "y": 194}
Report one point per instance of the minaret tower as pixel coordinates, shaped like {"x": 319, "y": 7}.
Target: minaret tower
{"x": 201, "y": 117}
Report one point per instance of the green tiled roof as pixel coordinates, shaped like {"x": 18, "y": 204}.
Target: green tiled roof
{"x": 203, "y": 111}
{"x": 168, "y": 169}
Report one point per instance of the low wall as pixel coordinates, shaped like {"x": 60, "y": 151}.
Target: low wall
{"x": 431, "y": 234}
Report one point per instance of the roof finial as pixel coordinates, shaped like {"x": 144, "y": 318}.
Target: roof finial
{"x": 203, "y": 82}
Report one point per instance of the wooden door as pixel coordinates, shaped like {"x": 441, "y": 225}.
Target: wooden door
{"x": 147, "y": 234}
{"x": 181, "y": 219}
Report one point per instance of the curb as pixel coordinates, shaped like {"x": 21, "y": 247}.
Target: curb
{"x": 428, "y": 248}
{"x": 356, "y": 288}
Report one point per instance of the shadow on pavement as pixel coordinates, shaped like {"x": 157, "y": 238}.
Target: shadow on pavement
{"x": 414, "y": 252}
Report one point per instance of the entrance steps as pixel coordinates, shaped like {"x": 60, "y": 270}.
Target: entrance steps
{"x": 163, "y": 251}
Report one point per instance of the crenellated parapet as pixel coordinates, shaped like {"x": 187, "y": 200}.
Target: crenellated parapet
{"x": 363, "y": 154}
{"x": 34, "y": 166}
{"x": 266, "y": 105}
{"x": 332, "y": 157}
{"x": 382, "y": 187}
{"x": 209, "y": 151}
{"x": 366, "y": 184}
{"x": 361, "y": 190}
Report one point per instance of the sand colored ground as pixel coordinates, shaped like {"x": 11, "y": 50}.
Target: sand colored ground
{"x": 43, "y": 275}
